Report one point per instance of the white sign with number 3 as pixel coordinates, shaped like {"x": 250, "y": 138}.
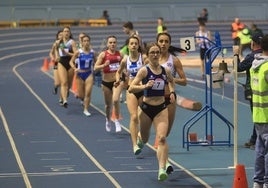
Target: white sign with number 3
{"x": 188, "y": 43}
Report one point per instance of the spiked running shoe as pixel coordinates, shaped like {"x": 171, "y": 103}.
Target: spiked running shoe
{"x": 117, "y": 126}
{"x": 65, "y": 104}
{"x": 136, "y": 150}
{"x": 108, "y": 126}
{"x": 162, "y": 175}
{"x": 87, "y": 113}
{"x": 140, "y": 143}
{"x": 169, "y": 168}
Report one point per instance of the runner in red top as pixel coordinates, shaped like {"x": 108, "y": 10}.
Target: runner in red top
{"x": 108, "y": 62}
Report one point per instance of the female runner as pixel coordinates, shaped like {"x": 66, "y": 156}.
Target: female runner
{"x": 153, "y": 109}
{"x": 66, "y": 49}
{"x": 132, "y": 63}
{"x": 82, "y": 63}
{"x": 108, "y": 61}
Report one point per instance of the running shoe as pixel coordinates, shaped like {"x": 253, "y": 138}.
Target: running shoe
{"x": 82, "y": 102}
{"x": 108, "y": 126}
{"x": 140, "y": 143}
{"x": 117, "y": 126}
{"x": 169, "y": 168}
{"x": 87, "y": 113}
{"x": 61, "y": 102}
{"x": 258, "y": 185}
{"x": 65, "y": 104}
{"x": 55, "y": 90}
{"x": 136, "y": 150}
{"x": 162, "y": 175}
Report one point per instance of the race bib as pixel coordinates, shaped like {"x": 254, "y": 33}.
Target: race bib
{"x": 159, "y": 84}
{"x": 114, "y": 66}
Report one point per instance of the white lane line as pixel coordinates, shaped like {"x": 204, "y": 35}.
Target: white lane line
{"x": 15, "y": 151}
{"x": 109, "y": 140}
{"x": 187, "y": 171}
{"x": 137, "y": 164}
{"x": 26, "y": 39}
{"x": 218, "y": 170}
{"x": 23, "y": 46}
{"x": 55, "y": 159}
{"x": 42, "y": 141}
{"x": 61, "y": 124}
{"x": 24, "y": 53}
{"x": 51, "y": 153}
{"x": 118, "y": 151}
{"x": 61, "y": 168}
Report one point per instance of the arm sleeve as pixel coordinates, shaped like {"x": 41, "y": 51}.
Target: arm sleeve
{"x": 246, "y": 63}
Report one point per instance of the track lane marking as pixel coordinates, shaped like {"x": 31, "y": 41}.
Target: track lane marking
{"x": 61, "y": 124}
{"x": 15, "y": 151}
{"x": 201, "y": 181}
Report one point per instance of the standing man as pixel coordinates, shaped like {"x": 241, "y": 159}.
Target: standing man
{"x": 245, "y": 65}
{"x": 128, "y": 29}
{"x": 254, "y": 29}
{"x": 259, "y": 85}
{"x": 235, "y": 28}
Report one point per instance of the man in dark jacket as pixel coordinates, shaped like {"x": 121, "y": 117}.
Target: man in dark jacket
{"x": 245, "y": 65}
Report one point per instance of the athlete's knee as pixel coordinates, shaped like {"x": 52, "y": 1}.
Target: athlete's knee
{"x": 116, "y": 101}
{"x": 162, "y": 139}
{"x": 65, "y": 84}
{"x": 134, "y": 118}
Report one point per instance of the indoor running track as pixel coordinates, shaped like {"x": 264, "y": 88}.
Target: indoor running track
{"x": 45, "y": 145}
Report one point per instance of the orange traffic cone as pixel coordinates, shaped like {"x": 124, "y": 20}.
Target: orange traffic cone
{"x": 113, "y": 116}
{"x": 240, "y": 178}
{"x": 51, "y": 63}
{"x": 156, "y": 143}
{"x": 74, "y": 87}
{"x": 45, "y": 65}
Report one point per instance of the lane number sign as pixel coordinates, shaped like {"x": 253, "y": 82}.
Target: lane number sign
{"x": 188, "y": 43}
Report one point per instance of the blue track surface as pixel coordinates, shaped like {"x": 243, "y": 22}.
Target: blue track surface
{"x": 45, "y": 145}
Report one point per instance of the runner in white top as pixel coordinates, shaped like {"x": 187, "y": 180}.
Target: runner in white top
{"x": 132, "y": 63}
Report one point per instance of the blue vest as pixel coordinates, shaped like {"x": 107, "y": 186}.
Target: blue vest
{"x": 160, "y": 80}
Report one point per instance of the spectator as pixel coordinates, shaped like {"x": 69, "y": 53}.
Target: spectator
{"x": 245, "y": 65}
{"x": 128, "y": 29}
{"x": 161, "y": 28}
{"x": 255, "y": 29}
{"x": 106, "y": 16}
{"x": 259, "y": 86}
{"x": 245, "y": 40}
{"x": 203, "y": 16}
{"x": 235, "y": 28}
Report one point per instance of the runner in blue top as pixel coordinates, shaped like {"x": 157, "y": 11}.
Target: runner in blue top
{"x": 82, "y": 63}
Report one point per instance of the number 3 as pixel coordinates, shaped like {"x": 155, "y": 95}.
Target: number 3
{"x": 188, "y": 43}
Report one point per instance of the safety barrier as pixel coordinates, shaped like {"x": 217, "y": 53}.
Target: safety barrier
{"x": 67, "y": 22}
{"x": 60, "y": 22}
{"x": 93, "y": 22}
{"x": 6, "y": 24}
{"x": 29, "y": 23}
{"x": 34, "y": 23}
